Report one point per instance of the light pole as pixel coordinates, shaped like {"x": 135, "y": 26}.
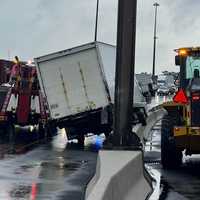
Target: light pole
{"x": 154, "y": 43}
{"x": 124, "y": 79}
{"x": 96, "y": 23}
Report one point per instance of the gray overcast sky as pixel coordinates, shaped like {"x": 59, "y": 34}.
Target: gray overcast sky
{"x": 37, "y": 27}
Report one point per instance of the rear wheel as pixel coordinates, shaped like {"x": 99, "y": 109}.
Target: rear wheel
{"x": 81, "y": 140}
{"x": 171, "y": 157}
{"x": 51, "y": 129}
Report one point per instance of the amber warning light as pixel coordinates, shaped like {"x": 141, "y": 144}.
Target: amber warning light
{"x": 180, "y": 97}
{"x": 182, "y": 52}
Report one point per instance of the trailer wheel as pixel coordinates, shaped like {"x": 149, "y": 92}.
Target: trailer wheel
{"x": 81, "y": 140}
{"x": 171, "y": 157}
{"x": 51, "y": 130}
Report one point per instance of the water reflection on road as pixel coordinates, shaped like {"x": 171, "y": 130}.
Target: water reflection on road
{"x": 53, "y": 170}
{"x": 50, "y": 171}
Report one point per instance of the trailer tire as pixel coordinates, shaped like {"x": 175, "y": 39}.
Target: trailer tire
{"x": 171, "y": 157}
{"x": 51, "y": 130}
{"x": 81, "y": 140}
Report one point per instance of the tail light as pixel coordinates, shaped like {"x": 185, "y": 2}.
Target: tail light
{"x": 195, "y": 96}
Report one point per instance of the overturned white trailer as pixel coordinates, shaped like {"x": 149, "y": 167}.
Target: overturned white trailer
{"x": 79, "y": 87}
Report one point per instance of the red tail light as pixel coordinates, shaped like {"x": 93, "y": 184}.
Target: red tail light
{"x": 180, "y": 97}
{"x": 195, "y": 96}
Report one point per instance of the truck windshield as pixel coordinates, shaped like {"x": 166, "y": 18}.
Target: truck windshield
{"x": 192, "y": 63}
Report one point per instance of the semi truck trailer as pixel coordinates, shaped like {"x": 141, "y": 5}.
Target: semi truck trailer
{"x": 78, "y": 84}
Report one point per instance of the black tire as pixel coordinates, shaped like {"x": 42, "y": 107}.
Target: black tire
{"x": 81, "y": 140}
{"x": 171, "y": 157}
{"x": 107, "y": 133}
{"x": 41, "y": 131}
{"x": 51, "y": 130}
{"x": 142, "y": 118}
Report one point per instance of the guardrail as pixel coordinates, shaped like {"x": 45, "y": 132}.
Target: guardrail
{"x": 154, "y": 115}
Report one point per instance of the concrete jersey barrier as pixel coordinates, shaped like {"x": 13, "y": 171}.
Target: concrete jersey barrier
{"x": 119, "y": 175}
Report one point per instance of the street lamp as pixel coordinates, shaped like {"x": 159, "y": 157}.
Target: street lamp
{"x": 96, "y": 23}
{"x": 124, "y": 79}
{"x": 154, "y": 43}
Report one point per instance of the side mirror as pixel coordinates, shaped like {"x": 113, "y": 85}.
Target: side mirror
{"x": 177, "y": 60}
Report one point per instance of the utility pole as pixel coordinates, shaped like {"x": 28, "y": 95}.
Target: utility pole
{"x": 154, "y": 43}
{"x": 9, "y": 54}
{"x": 96, "y": 23}
{"x": 124, "y": 78}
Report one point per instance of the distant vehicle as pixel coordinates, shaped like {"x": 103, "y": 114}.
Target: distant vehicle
{"x": 146, "y": 84}
{"x": 79, "y": 84}
{"x": 161, "y": 80}
{"x": 172, "y": 89}
{"x": 167, "y": 80}
{"x": 163, "y": 91}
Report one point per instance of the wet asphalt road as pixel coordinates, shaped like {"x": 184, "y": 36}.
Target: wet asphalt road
{"x": 52, "y": 170}
{"x": 179, "y": 184}
{"x": 57, "y": 170}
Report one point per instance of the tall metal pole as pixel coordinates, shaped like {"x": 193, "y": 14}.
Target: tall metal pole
{"x": 154, "y": 43}
{"x": 125, "y": 65}
{"x": 96, "y": 23}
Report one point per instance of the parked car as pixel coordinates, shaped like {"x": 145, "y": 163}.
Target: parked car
{"x": 163, "y": 91}
{"x": 172, "y": 90}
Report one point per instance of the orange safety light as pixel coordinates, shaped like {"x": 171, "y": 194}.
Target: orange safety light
{"x": 180, "y": 97}
{"x": 182, "y": 52}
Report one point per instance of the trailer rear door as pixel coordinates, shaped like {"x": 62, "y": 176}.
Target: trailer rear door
{"x": 72, "y": 81}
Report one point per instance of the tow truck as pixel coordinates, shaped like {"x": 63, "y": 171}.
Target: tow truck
{"x": 180, "y": 131}
{"x": 21, "y": 101}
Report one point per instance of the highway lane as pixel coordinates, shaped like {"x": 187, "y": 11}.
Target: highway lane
{"x": 49, "y": 170}
{"x": 177, "y": 184}
{"x": 52, "y": 170}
